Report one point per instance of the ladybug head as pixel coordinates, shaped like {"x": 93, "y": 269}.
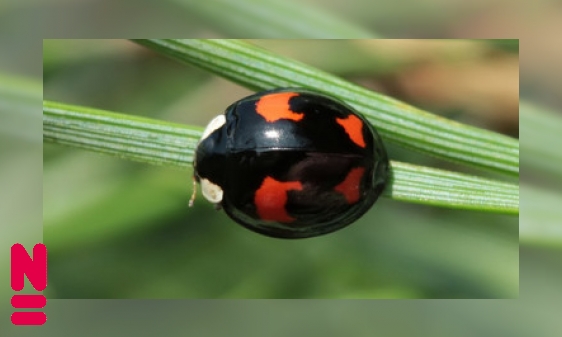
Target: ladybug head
{"x": 209, "y": 162}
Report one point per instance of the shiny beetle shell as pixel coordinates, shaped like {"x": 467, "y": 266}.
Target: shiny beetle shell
{"x": 291, "y": 163}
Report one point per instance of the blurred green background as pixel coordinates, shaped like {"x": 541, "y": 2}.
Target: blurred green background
{"x": 536, "y": 313}
{"x": 117, "y": 229}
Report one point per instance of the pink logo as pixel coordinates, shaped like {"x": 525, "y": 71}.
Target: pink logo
{"x": 35, "y": 268}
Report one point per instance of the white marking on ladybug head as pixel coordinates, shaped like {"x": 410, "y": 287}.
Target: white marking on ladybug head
{"x": 213, "y": 125}
{"x": 210, "y": 191}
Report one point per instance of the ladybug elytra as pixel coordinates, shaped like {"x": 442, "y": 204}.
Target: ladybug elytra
{"x": 291, "y": 163}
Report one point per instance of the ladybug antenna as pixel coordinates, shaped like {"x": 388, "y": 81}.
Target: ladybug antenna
{"x": 194, "y": 194}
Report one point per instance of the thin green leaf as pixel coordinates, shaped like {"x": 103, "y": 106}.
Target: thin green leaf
{"x": 425, "y": 185}
{"x": 170, "y": 144}
{"x": 398, "y": 122}
{"x": 131, "y": 137}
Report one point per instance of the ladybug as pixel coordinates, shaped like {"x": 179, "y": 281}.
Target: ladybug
{"x": 291, "y": 163}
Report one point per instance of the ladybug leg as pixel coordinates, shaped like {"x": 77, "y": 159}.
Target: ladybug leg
{"x": 194, "y": 193}
{"x": 218, "y": 206}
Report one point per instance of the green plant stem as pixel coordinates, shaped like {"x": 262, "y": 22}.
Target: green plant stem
{"x": 163, "y": 143}
{"x": 397, "y": 122}
{"x": 140, "y": 139}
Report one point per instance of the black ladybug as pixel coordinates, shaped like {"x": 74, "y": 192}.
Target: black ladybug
{"x": 291, "y": 163}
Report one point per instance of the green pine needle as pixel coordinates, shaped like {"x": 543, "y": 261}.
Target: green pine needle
{"x": 397, "y": 122}
{"x": 163, "y": 143}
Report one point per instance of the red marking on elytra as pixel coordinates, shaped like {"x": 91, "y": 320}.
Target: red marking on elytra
{"x": 353, "y": 126}
{"x": 271, "y": 198}
{"x": 349, "y": 187}
{"x": 274, "y": 107}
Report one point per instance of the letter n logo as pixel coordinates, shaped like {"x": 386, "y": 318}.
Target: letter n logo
{"x": 35, "y": 268}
